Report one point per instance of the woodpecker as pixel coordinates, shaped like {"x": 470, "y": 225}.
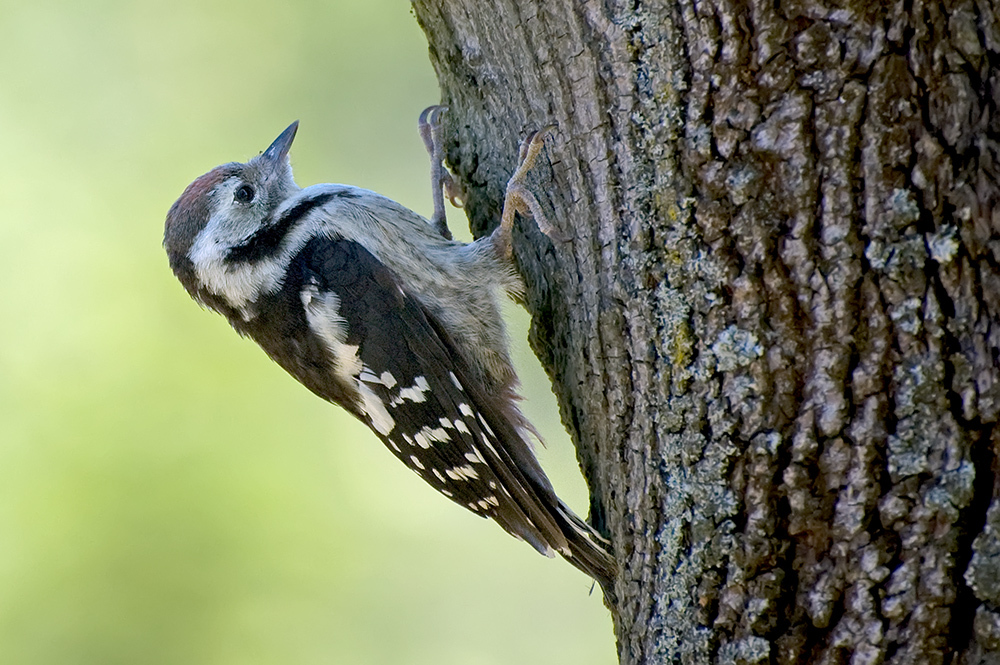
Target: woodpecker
{"x": 373, "y": 307}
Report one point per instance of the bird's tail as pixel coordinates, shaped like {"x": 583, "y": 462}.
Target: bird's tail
{"x": 588, "y": 550}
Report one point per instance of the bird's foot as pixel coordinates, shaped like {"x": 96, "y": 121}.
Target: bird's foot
{"x": 519, "y": 198}
{"x": 442, "y": 182}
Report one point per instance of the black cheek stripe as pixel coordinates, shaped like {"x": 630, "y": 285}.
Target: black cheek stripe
{"x": 266, "y": 240}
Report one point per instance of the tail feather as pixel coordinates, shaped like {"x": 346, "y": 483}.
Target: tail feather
{"x": 588, "y": 551}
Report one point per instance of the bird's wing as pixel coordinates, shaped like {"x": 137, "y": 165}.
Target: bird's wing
{"x": 415, "y": 392}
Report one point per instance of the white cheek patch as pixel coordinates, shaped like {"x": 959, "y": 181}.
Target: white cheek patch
{"x": 242, "y": 283}
{"x": 239, "y": 284}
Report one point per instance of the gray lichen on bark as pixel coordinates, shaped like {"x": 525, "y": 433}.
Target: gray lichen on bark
{"x": 773, "y": 331}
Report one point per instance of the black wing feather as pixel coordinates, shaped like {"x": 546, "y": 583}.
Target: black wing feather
{"x": 394, "y": 334}
{"x": 430, "y": 382}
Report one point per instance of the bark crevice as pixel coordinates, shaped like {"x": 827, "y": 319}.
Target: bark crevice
{"x": 773, "y": 331}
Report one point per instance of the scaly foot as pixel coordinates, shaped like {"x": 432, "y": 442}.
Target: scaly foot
{"x": 520, "y": 199}
{"x": 442, "y": 181}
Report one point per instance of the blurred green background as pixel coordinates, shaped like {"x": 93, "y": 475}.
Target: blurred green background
{"x": 167, "y": 495}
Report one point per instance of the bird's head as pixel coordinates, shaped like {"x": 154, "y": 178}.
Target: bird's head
{"x": 225, "y": 209}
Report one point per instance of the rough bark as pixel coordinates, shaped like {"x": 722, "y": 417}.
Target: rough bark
{"x": 774, "y": 327}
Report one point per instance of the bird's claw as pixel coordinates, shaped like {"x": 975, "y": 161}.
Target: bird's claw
{"x": 518, "y": 198}
{"x": 442, "y": 182}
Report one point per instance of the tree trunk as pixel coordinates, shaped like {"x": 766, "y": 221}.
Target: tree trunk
{"x": 774, "y": 325}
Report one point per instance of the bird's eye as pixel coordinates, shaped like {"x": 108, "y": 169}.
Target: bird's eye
{"x": 244, "y": 194}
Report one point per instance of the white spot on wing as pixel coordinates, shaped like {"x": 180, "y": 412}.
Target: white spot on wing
{"x": 461, "y": 427}
{"x": 493, "y": 450}
{"x": 462, "y": 473}
{"x": 467, "y": 471}
{"x": 322, "y": 310}
{"x": 466, "y": 410}
{"x": 416, "y": 462}
{"x": 376, "y": 411}
{"x": 417, "y": 393}
{"x": 384, "y": 379}
{"x": 426, "y": 435}
{"x": 323, "y": 316}
{"x": 486, "y": 427}
{"x": 454, "y": 379}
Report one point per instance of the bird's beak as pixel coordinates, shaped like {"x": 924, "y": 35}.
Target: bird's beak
{"x": 278, "y": 151}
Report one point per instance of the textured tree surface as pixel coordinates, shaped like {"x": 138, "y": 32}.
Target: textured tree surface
{"x": 773, "y": 325}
